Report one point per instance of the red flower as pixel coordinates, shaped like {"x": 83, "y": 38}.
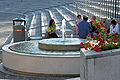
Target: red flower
{"x": 103, "y": 46}
{"x": 96, "y": 46}
{"x": 108, "y": 40}
{"x": 88, "y": 42}
{"x": 98, "y": 26}
{"x": 99, "y": 34}
{"x": 88, "y": 35}
{"x": 102, "y": 24}
{"x": 105, "y": 30}
{"x": 92, "y": 21}
{"x": 83, "y": 46}
{"x": 99, "y": 43}
{"x": 115, "y": 34}
{"x": 114, "y": 41}
{"x": 114, "y": 38}
{"x": 86, "y": 48}
{"x": 102, "y": 38}
{"x": 98, "y": 49}
{"x": 81, "y": 43}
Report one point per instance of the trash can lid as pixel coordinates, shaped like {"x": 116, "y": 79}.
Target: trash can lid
{"x": 18, "y": 19}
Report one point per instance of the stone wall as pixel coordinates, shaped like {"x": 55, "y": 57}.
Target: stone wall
{"x": 103, "y": 65}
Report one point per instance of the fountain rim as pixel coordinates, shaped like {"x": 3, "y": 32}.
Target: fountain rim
{"x": 7, "y": 49}
{"x": 42, "y": 42}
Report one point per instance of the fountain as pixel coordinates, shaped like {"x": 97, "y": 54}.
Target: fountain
{"x": 63, "y": 29}
{"x": 49, "y": 57}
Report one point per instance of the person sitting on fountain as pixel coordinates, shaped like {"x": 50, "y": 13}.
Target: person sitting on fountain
{"x": 84, "y": 28}
{"x": 52, "y": 29}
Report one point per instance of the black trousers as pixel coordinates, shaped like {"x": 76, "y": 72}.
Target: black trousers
{"x": 53, "y": 35}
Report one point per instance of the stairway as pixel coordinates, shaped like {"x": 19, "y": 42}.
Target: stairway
{"x": 38, "y": 21}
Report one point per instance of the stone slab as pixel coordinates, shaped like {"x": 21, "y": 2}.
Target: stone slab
{"x": 93, "y": 54}
{"x": 103, "y": 65}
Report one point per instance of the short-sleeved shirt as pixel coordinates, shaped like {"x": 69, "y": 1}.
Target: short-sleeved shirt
{"x": 51, "y": 28}
{"x": 114, "y": 29}
{"x": 84, "y": 29}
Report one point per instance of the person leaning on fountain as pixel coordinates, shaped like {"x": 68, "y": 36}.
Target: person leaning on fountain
{"x": 84, "y": 28}
{"x": 52, "y": 29}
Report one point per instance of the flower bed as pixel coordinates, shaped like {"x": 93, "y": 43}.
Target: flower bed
{"x": 101, "y": 41}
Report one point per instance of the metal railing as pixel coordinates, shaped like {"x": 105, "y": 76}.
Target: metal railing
{"x": 100, "y": 8}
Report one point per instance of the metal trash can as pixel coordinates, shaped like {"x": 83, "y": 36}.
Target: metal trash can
{"x": 19, "y": 29}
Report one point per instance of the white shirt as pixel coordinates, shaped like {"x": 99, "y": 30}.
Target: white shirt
{"x": 115, "y": 29}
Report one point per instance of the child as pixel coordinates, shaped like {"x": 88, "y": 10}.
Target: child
{"x": 78, "y": 20}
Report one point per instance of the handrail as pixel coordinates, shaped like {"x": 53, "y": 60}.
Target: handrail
{"x": 47, "y": 25}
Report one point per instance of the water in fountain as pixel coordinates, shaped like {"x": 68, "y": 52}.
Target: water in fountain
{"x": 32, "y": 47}
{"x": 63, "y": 29}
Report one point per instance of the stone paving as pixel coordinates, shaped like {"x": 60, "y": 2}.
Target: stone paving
{"x": 6, "y": 26}
{"x": 5, "y": 30}
{"x": 8, "y": 10}
{"x": 21, "y": 6}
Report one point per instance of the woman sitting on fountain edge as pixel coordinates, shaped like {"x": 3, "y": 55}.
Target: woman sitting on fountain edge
{"x": 52, "y": 29}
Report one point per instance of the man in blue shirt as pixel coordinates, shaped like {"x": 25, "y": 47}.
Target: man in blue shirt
{"x": 84, "y": 28}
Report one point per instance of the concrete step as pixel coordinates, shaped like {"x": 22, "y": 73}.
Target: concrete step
{"x": 57, "y": 17}
{"x": 72, "y": 9}
{"x": 66, "y": 15}
{"x": 36, "y": 20}
{"x": 28, "y": 18}
{"x": 71, "y": 14}
{"x": 35, "y": 25}
{"x": 45, "y": 17}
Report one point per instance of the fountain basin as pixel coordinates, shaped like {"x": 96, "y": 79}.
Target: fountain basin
{"x": 59, "y": 44}
{"x": 29, "y": 59}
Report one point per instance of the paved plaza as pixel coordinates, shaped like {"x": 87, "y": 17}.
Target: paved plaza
{"x": 10, "y": 9}
{"x": 37, "y": 14}
{"x": 6, "y": 30}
